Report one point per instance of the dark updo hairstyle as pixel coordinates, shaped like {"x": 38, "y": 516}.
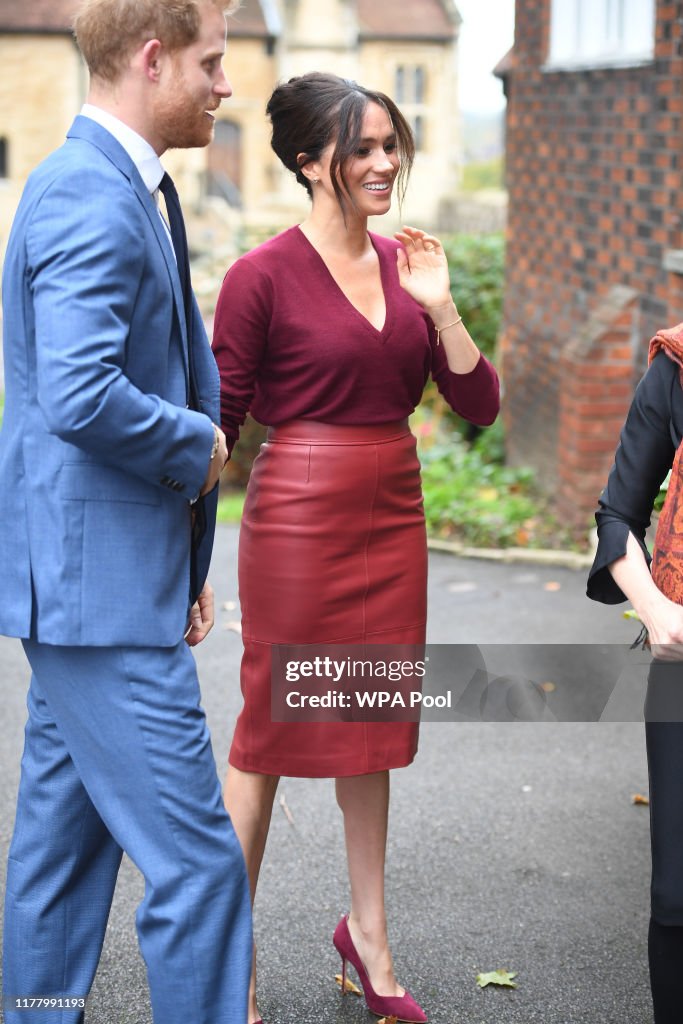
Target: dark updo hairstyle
{"x": 309, "y": 112}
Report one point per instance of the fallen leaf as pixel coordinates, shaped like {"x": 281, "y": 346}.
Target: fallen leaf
{"x": 349, "y": 987}
{"x": 388, "y": 1020}
{"x": 631, "y": 613}
{"x": 552, "y": 585}
{"x": 548, "y": 687}
{"x": 498, "y": 977}
{"x": 285, "y": 809}
{"x": 638, "y": 798}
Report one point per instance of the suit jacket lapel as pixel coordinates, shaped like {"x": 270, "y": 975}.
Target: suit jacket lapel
{"x": 86, "y": 128}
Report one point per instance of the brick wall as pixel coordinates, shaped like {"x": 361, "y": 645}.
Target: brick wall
{"x": 595, "y": 202}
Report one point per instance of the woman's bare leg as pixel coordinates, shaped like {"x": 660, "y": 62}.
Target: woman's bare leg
{"x": 364, "y": 800}
{"x": 248, "y": 798}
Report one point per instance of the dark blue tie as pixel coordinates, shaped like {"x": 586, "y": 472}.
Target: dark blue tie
{"x": 179, "y": 239}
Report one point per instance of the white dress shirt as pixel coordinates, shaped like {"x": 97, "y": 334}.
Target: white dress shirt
{"x": 138, "y": 149}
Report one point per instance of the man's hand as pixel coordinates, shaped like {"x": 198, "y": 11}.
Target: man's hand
{"x": 217, "y": 462}
{"x": 201, "y": 617}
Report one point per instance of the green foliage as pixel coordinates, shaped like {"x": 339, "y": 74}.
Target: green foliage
{"x": 472, "y": 497}
{"x": 230, "y": 505}
{"x": 237, "y": 471}
{"x": 663, "y": 491}
{"x": 483, "y": 174}
{"x": 477, "y": 269}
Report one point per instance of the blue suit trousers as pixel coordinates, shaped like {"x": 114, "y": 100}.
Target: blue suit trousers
{"x": 118, "y": 758}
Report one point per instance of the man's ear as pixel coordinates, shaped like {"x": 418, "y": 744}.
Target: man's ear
{"x": 149, "y": 57}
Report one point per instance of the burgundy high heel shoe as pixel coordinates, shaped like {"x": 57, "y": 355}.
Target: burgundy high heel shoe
{"x": 402, "y": 1007}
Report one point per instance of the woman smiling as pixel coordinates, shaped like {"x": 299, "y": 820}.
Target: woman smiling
{"x": 328, "y": 334}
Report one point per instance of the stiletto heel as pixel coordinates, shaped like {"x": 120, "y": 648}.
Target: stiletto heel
{"x": 402, "y": 1007}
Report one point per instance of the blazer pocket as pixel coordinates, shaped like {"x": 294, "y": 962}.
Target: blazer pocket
{"x": 87, "y": 481}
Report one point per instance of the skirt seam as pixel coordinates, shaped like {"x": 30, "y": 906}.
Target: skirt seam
{"x": 335, "y": 640}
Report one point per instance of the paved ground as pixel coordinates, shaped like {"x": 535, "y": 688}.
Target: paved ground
{"x": 512, "y": 845}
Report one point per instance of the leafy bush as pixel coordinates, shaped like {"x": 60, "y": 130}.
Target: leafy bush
{"x": 472, "y": 497}
{"x": 477, "y": 269}
{"x": 237, "y": 470}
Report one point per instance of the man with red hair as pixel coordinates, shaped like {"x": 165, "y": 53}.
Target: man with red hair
{"x": 109, "y": 464}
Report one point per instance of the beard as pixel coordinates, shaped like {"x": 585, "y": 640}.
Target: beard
{"x": 181, "y": 119}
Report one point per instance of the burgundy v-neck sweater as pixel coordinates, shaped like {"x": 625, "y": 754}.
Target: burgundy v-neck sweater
{"x": 290, "y": 345}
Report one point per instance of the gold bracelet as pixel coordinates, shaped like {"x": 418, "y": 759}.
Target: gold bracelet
{"x": 445, "y": 328}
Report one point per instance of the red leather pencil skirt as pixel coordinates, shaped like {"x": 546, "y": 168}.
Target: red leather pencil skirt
{"x": 332, "y": 550}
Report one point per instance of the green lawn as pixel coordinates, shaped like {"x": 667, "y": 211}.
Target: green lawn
{"x": 230, "y": 506}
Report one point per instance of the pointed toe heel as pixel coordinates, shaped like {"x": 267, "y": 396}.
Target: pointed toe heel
{"x": 402, "y": 1007}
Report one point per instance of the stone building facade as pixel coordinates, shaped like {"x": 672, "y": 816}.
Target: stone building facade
{"x": 595, "y": 227}
{"x": 407, "y": 48}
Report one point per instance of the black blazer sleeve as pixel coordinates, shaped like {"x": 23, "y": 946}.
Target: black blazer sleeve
{"x": 647, "y": 446}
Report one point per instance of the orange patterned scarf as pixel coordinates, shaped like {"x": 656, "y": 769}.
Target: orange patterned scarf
{"x": 667, "y": 555}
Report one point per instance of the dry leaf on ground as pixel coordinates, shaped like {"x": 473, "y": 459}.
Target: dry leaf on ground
{"x": 285, "y": 809}
{"x": 349, "y": 987}
{"x": 638, "y": 798}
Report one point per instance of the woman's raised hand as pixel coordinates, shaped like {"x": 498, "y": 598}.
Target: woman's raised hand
{"x": 423, "y": 269}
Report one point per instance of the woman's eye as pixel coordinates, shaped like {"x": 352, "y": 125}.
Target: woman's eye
{"x": 362, "y": 152}
{"x": 390, "y": 147}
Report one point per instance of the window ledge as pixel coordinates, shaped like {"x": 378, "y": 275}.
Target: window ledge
{"x": 596, "y": 64}
{"x": 673, "y": 261}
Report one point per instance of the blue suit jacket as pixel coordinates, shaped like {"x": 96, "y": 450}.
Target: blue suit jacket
{"x": 99, "y": 455}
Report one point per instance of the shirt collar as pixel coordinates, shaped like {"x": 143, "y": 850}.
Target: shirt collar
{"x": 137, "y": 148}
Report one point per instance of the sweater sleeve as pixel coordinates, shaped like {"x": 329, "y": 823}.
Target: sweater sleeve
{"x": 475, "y": 395}
{"x": 643, "y": 458}
{"x": 240, "y": 338}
